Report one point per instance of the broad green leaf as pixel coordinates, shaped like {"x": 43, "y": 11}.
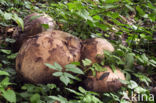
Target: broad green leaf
{"x": 75, "y": 70}
{"x": 140, "y": 90}
{"x": 5, "y": 51}
{"x": 9, "y": 95}
{"x": 9, "y": 40}
{"x": 113, "y": 68}
{"x": 4, "y": 73}
{"x": 58, "y": 66}
{"x": 86, "y": 62}
{"x": 65, "y": 79}
{"x": 7, "y": 16}
{"x": 57, "y": 74}
{"x": 75, "y": 92}
{"x": 85, "y": 15}
{"x": 143, "y": 78}
{"x": 59, "y": 98}
{"x": 132, "y": 84}
{"x": 99, "y": 68}
{"x": 69, "y": 75}
{"x": 51, "y": 86}
{"x": 35, "y": 98}
{"x": 12, "y": 56}
{"x": 50, "y": 66}
{"x": 140, "y": 10}
{"x": 82, "y": 90}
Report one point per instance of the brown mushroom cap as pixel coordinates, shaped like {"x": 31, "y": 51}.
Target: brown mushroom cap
{"x": 93, "y": 47}
{"x": 47, "y": 47}
{"x": 32, "y": 26}
{"x": 106, "y": 81}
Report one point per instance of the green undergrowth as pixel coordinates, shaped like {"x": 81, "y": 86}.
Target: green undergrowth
{"x": 128, "y": 24}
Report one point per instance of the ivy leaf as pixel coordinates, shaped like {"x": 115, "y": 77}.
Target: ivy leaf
{"x": 9, "y": 95}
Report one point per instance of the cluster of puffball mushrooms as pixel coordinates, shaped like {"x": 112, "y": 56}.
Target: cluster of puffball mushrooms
{"x": 38, "y": 46}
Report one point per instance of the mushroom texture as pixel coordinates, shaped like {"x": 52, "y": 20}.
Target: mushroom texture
{"x": 33, "y": 24}
{"x": 107, "y": 81}
{"x": 47, "y": 47}
{"x": 93, "y": 47}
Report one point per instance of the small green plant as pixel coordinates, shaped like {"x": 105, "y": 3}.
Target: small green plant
{"x": 64, "y": 76}
{"x": 6, "y": 92}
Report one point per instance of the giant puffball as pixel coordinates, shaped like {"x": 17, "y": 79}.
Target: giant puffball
{"x": 33, "y": 24}
{"x": 93, "y": 47}
{"x": 106, "y": 81}
{"x": 47, "y": 47}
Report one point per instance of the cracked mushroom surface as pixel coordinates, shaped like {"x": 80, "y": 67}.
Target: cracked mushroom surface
{"x": 106, "y": 81}
{"x": 47, "y": 47}
{"x": 93, "y": 47}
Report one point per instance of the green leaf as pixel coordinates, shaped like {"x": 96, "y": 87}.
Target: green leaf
{"x": 129, "y": 60}
{"x": 140, "y": 90}
{"x": 9, "y": 95}
{"x": 113, "y": 68}
{"x": 57, "y": 74}
{"x": 111, "y": 1}
{"x": 69, "y": 75}
{"x": 82, "y": 90}
{"x": 12, "y": 56}
{"x": 35, "y": 17}
{"x": 59, "y": 98}
{"x": 9, "y": 40}
{"x": 19, "y": 21}
{"x": 50, "y": 66}
{"x": 132, "y": 84}
{"x": 85, "y": 15}
{"x": 45, "y": 26}
{"x": 140, "y": 10}
{"x": 73, "y": 68}
{"x": 65, "y": 79}
{"x": 51, "y": 86}
{"x": 7, "y": 16}
{"x": 4, "y": 73}
{"x": 86, "y": 62}
{"x": 5, "y": 51}
{"x": 75, "y": 92}
{"x": 35, "y": 98}
{"x": 143, "y": 78}
{"x": 58, "y": 66}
